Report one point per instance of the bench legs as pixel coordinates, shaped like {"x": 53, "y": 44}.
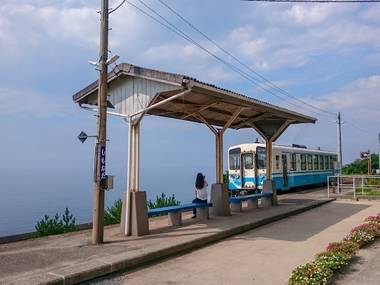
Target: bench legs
{"x": 236, "y": 207}
{"x": 175, "y": 219}
{"x": 266, "y": 202}
{"x": 252, "y": 204}
{"x": 203, "y": 213}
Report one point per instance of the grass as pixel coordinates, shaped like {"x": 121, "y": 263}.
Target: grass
{"x": 366, "y": 192}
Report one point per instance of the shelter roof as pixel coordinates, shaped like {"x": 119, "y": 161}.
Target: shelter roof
{"x": 202, "y": 102}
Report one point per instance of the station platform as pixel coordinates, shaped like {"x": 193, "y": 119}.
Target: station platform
{"x": 71, "y": 259}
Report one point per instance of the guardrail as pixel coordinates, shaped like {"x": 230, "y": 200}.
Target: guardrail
{"x": 355, "y": 185}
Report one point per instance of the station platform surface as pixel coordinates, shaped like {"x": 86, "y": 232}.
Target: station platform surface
{"x": 267, "y": 255}
{"x": 70, "y": 258}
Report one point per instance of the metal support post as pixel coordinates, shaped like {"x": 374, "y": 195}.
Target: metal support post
{"x": 354, "y": 186}
{"x": 98, "y": 208}
{"x": 328, "y": 186}
{"x": 362, "y": 186}
{"x": 339, "y": 142}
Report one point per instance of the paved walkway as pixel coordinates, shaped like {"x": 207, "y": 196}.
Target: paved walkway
{"x": 365, "y": 270}
{"x": 69, "y": 259}
{"x": 265, "y": 255}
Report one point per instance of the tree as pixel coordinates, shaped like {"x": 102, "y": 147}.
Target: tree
{"x": 361, "y": 166}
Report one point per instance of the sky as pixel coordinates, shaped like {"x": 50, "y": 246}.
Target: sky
{"x": 325, "y": 54}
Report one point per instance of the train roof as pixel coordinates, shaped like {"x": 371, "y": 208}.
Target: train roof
{"x": 284, "y": 147}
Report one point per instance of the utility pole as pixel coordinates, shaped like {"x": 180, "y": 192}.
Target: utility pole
{"x": 339, "y": 142}
{"x": 369, "y": 163}
{"x": 100, "y": 149}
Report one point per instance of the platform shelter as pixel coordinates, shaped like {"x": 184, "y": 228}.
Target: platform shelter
{"x": 136, "y": 91}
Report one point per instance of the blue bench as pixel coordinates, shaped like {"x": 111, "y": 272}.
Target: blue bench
{"x": 252, "y": 201}
{"x": 175, "y": 212}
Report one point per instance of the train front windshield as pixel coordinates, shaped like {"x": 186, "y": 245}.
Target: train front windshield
{"x": 241, "y": 169}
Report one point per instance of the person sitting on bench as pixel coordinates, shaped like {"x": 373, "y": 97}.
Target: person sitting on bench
{"x": 200, "y": 192}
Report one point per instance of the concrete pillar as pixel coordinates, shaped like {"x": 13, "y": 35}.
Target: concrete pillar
{"x": 268, "y": 187}
{"x": 220, "y": 200}
{"x": 134, "y": 218}
{"x": 269, "y": 160}
{"x": 139, "y": 214}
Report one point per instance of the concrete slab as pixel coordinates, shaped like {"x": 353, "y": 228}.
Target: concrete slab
{"x": 364, "y": 269}
{"x": 73, "y": 258}
{"x": 266, "y": 255}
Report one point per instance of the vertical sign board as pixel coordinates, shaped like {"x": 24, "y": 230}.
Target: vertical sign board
{"x": 102, "y": 163}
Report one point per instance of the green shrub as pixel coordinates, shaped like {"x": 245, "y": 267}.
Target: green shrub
{"x": 68, "y": 221}
{"x": 51, "y": 226}
{"x": 310, "y": 274}
{"x": 112, "y": 215}
{"x": 332, "y": 260}
{"x": 347, "y": 248}
{"x": 163, "y": 201}
{"x": 364, "y": 234}
{"x": 373, "y": 219}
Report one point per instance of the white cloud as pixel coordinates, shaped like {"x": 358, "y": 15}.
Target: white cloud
{"x": 358, "y": 100}
{"x": 178, "y": 50}
{"x": 293, "y": 36}
{"x": 29, "y": 103}
{"x": 32, "y": 24}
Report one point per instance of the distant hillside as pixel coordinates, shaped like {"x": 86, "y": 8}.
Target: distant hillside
{"x": 360, "y": 166}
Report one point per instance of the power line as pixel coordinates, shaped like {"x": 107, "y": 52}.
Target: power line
{"x": 117, "y": 7}
{"x": 179, "y": 32}
{"x": 358, "y": 128}
{"x": 266, "y": 81}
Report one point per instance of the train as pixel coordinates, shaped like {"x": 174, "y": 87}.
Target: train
{"x": 293, "y": 166}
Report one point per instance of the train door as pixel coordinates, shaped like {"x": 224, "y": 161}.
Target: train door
{"x": 247, "y": 171}
{"x": 284, "y": 159}
{"x": 234, "y": 170}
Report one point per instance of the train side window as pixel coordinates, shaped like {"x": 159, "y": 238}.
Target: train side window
{"x": 309, "y": 162}
{"x": 316, "y": 163}
{"x": 327, "y": 162}
{"x": 293, "y": 164}
{"x": 261, "y": 158}
{"x": 303, "y": 161}
{"x": 331, "y": 162}
{"x": 277, "y": 162}
{"x": 321, "y": 162}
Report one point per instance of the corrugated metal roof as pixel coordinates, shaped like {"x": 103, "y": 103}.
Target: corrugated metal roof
{"x": 126, "y": 69}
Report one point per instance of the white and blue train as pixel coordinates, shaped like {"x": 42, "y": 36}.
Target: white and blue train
{"x": 292, "y": 166}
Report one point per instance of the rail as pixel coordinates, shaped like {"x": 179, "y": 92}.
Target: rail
{"x": 353, "y": 185}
